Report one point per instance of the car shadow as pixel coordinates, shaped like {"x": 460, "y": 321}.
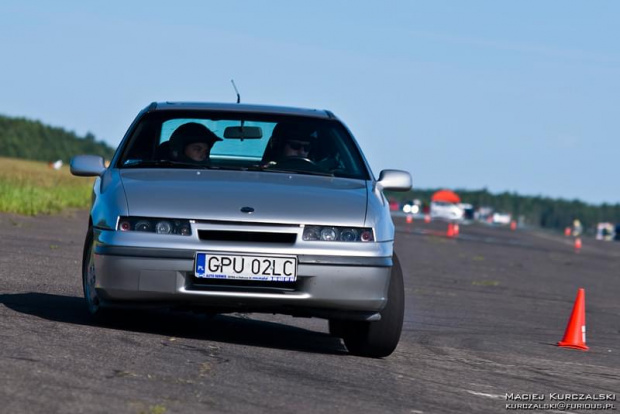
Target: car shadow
{"x": 219, "y": 328}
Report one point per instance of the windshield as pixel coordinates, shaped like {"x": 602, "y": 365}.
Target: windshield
{"x": 243, "y": 141}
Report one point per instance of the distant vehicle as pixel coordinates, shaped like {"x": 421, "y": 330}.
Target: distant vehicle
{"x": 484, "y": 213}
{"x": 502, "y": 218}
{"x": 412, "y": 207}
{"x": 468, "y": 211}
{"x": 446, "y": 211}
{"x": 56, "y": 165}
{"x": 251, "y": 228}
{"x": 605, "y": 231}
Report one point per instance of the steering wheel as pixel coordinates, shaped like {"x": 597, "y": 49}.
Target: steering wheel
{"x": 297, "y": 162}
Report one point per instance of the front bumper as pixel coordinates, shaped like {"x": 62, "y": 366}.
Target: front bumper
{"x": 330, "y": 286}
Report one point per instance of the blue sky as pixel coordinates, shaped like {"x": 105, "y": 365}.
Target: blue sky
{"x": 509, "y": 95}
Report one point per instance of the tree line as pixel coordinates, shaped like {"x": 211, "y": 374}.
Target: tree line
{"x": 33, "y": 140}
{"x": 534, "y": 211}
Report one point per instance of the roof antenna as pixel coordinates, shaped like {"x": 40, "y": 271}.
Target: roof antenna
{"x": 235, "y": 86}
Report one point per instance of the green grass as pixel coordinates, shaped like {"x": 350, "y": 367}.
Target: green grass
{"x": 32, "y": 188}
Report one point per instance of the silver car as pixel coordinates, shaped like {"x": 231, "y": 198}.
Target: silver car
{"x": 246, "y": 208}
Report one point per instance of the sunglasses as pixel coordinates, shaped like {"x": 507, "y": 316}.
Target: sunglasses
{"x": 296, "y": 146}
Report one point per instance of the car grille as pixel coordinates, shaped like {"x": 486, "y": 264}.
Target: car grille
{"x": 242, "y": 285}
{"x": 247, "y": 236}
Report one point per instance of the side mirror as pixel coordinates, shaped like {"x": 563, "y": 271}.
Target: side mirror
{"x": 394, "y": 180}
{"x": 87, "y": 165}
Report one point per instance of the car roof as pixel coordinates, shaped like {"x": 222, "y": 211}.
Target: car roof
{"x": 238, "y": 107}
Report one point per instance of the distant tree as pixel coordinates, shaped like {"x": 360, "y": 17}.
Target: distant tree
{"x": 536, "y": 211}
{"x": 24, "y": 138}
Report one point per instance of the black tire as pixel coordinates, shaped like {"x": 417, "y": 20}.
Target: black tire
{"x": 336, "y": 327}
{"x": 376, "y": 339}
{"x": 89, "y": 277}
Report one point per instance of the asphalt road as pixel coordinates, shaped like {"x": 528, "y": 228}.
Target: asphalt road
{"x": 483, "y": 315}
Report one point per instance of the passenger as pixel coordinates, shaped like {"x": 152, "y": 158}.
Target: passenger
{"x": 192, "y": 142}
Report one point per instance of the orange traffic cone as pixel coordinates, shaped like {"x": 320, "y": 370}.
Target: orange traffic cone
{"x": 409, "y": 218}
{"x": 567, "y": 231}
{"x": 456, "y": 229}
{"x": 575, "y": 335}
{"x": 577, "y": 244}
{"x": 513, "y": 225}
{"x": 427, "y": 218}
{"x": 450, "y": 232}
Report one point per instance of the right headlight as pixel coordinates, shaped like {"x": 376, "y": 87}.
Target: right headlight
{"x": 342, "y": 234}
{"x": 155, "y": 225}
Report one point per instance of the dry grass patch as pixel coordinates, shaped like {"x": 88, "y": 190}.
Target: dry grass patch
{"x": 32, "y": 188}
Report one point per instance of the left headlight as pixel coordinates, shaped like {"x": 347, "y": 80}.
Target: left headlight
{"x": 155, "y": 225}
{"x": 343, "y": 234}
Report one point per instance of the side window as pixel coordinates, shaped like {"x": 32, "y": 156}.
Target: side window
{"x": 143, "y": 143}
{"x": 342, "y": 157}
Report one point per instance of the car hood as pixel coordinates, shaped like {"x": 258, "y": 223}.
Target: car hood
{"x": 220, "y": 195}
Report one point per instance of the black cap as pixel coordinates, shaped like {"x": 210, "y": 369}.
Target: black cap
{"x": 297, "y": 131}
{"x": 190, "y": 133}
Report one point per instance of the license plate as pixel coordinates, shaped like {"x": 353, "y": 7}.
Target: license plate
{"x": 246, "y": 267}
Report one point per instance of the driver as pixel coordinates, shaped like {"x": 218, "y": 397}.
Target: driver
{"x": 291, "y": 140}
{"x": 295, "y": 147}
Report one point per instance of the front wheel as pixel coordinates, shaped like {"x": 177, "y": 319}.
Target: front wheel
{"x": 376, "y": 339}
{"x": 89, "y": 277}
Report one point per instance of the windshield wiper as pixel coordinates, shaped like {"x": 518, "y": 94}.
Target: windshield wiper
{"x": 292, "y": 171}
{"x": 163, "y": 164}
{"x": 189, "y": 165}
{"x": 231, "y": 168}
